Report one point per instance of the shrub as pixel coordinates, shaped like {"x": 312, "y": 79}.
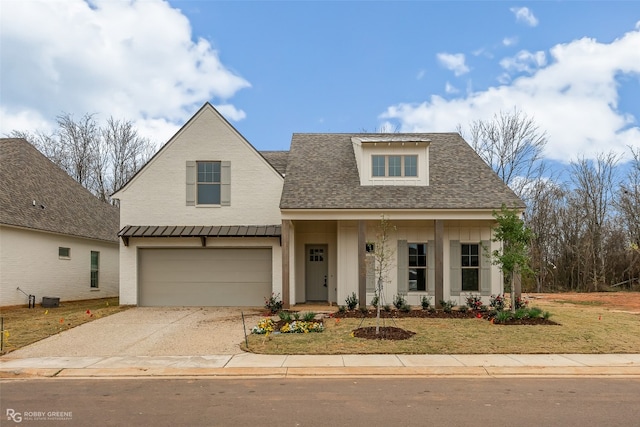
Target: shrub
{"x": 342, "y": 309}
{"x": 285, "y": 316}
{"x": 535, "y": 312}
{"x": 273, "y": 303}
{"x": 497, "y": 302}
{"x": 447, "y": 306}
{"x": 474, "y": 302}
{"x": 405, "y": 308}
{"x": 425, "y": 302}
{"x": 364, "y": 310}
{"x": 399, "y": 301}
{"x": 521, "y": 313}
{"x": 463, "y": 309}
{"x": 296, "y": 315}
{"x": 546, "y": 315}
{"x": 308, "y": 316}
{"x": 386, "y": 307}
{"x": 351, "y": 301}
{"x": 375, "y": 301}
{"x": 503, "y": 316}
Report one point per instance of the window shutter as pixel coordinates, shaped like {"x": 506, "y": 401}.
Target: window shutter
{"x": 225, "y": 184}
{"x": 431, "y": 266}
{"x": 403, "y": 267}
{"x": 191, "y": 183}
{"x": 485, "y": 267}
{"x": 370, "y": 262}
{"x": 455, "y": 269}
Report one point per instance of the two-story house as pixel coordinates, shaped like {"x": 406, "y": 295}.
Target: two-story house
{"x": 212, "y": 221}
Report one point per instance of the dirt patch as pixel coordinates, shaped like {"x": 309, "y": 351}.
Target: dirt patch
{"x": 625, "y": 301}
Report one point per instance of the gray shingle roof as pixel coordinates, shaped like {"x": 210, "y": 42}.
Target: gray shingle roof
{"x": 27, "y": 175}
{"x": 277, "y": 159}
{"x": 322, "y": 174}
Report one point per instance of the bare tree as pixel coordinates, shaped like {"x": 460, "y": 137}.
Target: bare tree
{"x": 102, "y": 159}
{"x": 594, "y": 181}
{"x": 513, "y": 145}
{"x": 383, "y": 262}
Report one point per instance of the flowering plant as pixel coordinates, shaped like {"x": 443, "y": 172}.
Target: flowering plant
{"x": 497, "y": 302}
{"x": 474, "y": 302}
{"x": 273, "y": 303}
{"x": 265, "y": 326}
{"x": 302, "y": 327}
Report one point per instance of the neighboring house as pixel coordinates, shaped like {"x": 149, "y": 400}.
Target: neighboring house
{"x": 212, "y": 221}
{"x": 56, "y": 238}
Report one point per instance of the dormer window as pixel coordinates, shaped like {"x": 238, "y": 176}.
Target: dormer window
{"x": 401, "y": 160}
{"x": 394, "y": 166}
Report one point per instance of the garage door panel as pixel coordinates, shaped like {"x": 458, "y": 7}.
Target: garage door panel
{"x": 204, "y": 277}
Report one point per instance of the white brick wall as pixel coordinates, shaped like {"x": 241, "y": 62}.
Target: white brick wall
{"x": 157, "y": 196}
{"x": 29, "y": 260}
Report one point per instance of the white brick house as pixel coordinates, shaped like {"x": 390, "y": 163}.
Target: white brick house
{"x": 212, "y": 221}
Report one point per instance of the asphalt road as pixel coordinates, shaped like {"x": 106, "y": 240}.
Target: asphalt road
{"x": 320, "y": 402}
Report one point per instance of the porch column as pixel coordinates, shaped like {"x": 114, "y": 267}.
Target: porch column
{"x": 439, "y": 259}
{"x": 286, "y": 227}
{"x": 362, "y": 263}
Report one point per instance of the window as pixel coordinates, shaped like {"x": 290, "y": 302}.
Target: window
{"x": 394, "y": 166}
{"x": 95, "y": 268}
{"x": 208, "y": 183}
{"x": 417, "y": 266}
{"x": 470, "y": 263}
{"x": 316, "y": 254}
{"x": 64, "y": 253}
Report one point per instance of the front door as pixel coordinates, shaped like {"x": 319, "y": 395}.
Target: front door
{"x": 316, "y": 285}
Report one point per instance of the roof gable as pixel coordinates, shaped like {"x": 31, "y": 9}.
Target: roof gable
{"x": 207, "y": 107}
{"x": 322, "y": 174}
{"x": 35, "y": 193}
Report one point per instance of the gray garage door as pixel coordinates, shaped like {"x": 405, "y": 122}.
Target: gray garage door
{"x": 204, "y": 277}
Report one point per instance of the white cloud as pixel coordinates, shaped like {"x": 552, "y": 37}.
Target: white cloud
{"x": 454, "y": 62}
{"x": 449, "y": 88}
{"x": 134, "y": 60}
{"x": 524, "y": 61}
{"x": 524, "y": 15}
{"x": 510, "y": 41}
{"x": 574, "y": 99}
{"x": 421, "y": 74}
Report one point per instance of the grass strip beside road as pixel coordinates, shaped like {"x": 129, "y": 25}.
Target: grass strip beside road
{"x": 24, "y": 326}
{"x": 581, "y": 329}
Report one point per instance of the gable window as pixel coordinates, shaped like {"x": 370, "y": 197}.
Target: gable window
{"x": 394, "y": 166}
{"x": 417, "y": 266}
{"x": 208, "y": 183}
{"x": 95, "y": 268}
{"x": 470, "y": 263}
{"x": 64, "y": 253}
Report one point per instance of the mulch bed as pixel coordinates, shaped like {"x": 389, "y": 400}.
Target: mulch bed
{"x": 393, "y": 333}
{"x": 385, "y": 333}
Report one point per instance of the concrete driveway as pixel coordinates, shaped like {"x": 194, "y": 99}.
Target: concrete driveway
{"x": 151, "y": 331}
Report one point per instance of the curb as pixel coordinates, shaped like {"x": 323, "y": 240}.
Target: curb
{"x": 328, "y": 372}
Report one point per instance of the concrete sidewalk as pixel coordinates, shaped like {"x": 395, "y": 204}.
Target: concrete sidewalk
{"x": 281, "y": 366}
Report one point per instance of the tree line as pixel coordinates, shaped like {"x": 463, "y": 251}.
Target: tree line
{"x": 102, "y": 158}
{"x": 585, "y": 226}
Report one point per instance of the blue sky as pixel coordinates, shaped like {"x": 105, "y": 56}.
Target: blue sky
{"x": 275, "y": 68}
